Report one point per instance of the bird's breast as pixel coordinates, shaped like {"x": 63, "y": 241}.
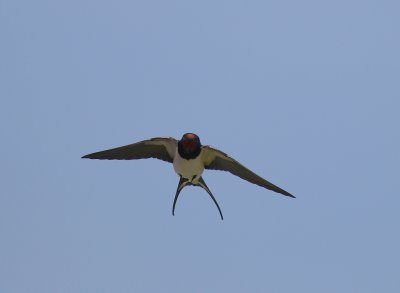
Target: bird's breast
{"x": 188, "y": 168}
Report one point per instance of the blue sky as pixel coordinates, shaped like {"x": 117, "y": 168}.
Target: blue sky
{"x": 305, "y": 93}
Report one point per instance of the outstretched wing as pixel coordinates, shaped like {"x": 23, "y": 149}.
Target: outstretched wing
{"x": 216, "y": 160}
{"x": 162, "y": 148}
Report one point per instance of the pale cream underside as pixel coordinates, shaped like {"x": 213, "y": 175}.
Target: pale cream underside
{"x": 188, "y": 168}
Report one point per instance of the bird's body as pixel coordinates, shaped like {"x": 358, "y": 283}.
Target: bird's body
{"x": 189, "y": 159}
{"x": 189, "y": 169}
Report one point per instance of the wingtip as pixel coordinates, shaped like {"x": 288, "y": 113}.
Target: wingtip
{"x": 290, "y": 195}
{"x": 285, "y": 193}
{"x": 90, "y": 156}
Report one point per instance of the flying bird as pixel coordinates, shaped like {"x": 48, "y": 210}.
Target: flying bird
{"x": 189, "y": 158}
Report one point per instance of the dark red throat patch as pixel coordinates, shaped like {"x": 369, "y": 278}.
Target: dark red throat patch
{"x": 189, "y": 144}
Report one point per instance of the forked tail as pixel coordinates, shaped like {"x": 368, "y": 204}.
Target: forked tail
{"x": 185, "y": 182}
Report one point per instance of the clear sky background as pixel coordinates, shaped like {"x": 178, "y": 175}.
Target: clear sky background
{"x": 305, "y": 93}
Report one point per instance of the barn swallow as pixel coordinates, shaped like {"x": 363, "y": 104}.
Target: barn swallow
{"x": 189, "y": 158}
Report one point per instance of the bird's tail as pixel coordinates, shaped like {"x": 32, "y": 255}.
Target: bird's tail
{"x": 203, "y": 184}
{"x": 183, "y": 182}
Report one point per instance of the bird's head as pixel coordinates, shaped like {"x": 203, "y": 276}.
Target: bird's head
{"x": 189, "y": 147}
